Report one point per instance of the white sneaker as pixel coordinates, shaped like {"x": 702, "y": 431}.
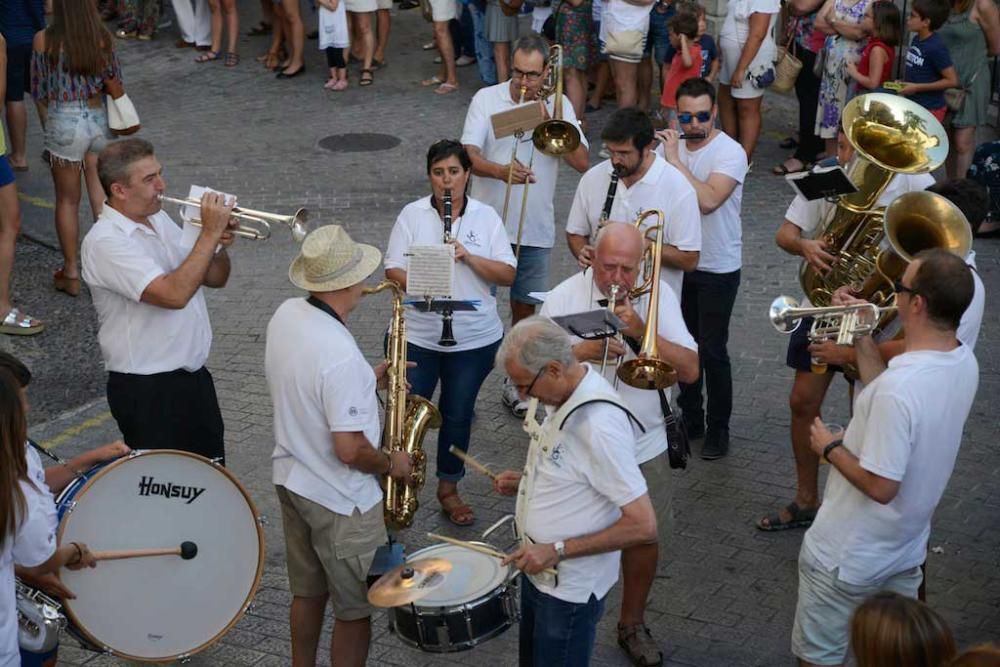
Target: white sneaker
{"x": 437, "y": 61}
{"x": 464, "y": 61}
{"x": 512, "y": 399}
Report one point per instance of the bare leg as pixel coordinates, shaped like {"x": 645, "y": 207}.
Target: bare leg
{"x": 306, "y": 622}
{"x": 10, "y": 227}
{"x": 601, "y": 85}
{"x": 232, "y": 17}
{"x": 727, "y": 112}
{"x": 95, "y": 192}
{"x": 442, "y": 36}
{"x": 366, "y": 37}
{"x": 576, "y": 89}
{"x": 520, "y": 311}
{"x": 67, "y": 184}
{"x": 644, "y": 81}
{"x": 501, "y": 54}
{"x": 215, "y": 7}
{"x": 638, "y": 572}
{"x": 296, "y": 37}
{"x": 749, "y": 122}
{"x": 963, "y": 146}
{"x": 350, "y": 642}
{"x": 626, "y": 75}
{"x": 17, "y": 125}
{"x": 384, "y": 24}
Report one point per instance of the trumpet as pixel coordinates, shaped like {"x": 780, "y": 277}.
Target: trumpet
{"x": 254, "y": 225}
{"x": 840, "y": 324}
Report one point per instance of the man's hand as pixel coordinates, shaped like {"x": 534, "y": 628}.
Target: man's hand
{"x": 402, "y": 466}
{"x": 79, "y": 558}
{"x": 48, "y": 583}
{"x": 521, "y": 173}
{"x": 634, "y": 325}
{"x": 593, "y": 350}
{"x": 819, "y": 436}
{"x": 814, "y": 252}
{"x": 533, "y": 558}
{"x": 586, "y": 256}
{"x": 670, "y": 140}
{"x": 382, "y": 377}
{"x": 828, "y": 352}
{"x": 507, "y": 482}
{"x": 844, "y": 296}
{"x": 216, "y": 216}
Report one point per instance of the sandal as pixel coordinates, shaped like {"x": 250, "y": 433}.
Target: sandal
{"x": 207, "y": 56}
{"x": 232, "y": 59}
{"x": 457, "y": 511}
{"x": 17, "y": 323}
{"x": 783, "y": 169}
{"x": 799, "y": 518}
{"x": 369, "y": 81}
{"x": 446, "y": 88}
{"x": 639, "y": 645}
{"x": 70, "y": 286}
{"x": 433, "y": 81}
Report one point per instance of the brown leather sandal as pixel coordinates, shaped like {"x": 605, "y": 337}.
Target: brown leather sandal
{"x": 639, "y": 645}
{"x": 457, "y": 511}
{"x": 70, "y": 286}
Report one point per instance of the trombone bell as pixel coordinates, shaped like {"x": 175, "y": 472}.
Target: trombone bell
{"x": 555, "y": 137}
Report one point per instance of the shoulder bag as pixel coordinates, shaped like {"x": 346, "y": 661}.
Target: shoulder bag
{"x": 122, "y": 116}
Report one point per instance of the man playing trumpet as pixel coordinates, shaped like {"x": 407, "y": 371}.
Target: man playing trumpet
{"x": 146, "y": 282}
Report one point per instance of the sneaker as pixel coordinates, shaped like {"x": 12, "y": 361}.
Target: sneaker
{"x": 464, "y": 61}
{"x": 437, "y": 61}
{"x": 429, "y": 46}
{"x": 512, "y": 399}
{"x": 604, "y": 153}
{"x": 716, "y": 444}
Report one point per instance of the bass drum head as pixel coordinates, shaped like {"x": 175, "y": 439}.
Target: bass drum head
{"x": 160, "y": 608}
{"x": 473, "y": 575}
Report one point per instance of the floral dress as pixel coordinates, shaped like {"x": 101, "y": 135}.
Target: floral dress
{"x": 834, "y": 84}
{"x": 575, "y": 32}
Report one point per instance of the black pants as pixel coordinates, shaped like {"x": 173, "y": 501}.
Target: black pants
{"x": 807, "y": 92}
{"x": 174, "y": 410}
{"x": 707, "y": 304}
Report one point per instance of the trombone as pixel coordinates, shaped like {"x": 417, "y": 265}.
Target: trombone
{"x": 614, "y": 290}
{"x": 554, "y": 137}
{"x": 254, "y": 225}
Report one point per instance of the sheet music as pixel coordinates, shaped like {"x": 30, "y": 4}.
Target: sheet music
{"x": 431, "y": 270}
{"x": 189, "y": 233}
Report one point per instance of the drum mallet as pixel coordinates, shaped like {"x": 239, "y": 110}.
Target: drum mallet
{"x": 472, "y": 546}
{"x": 472, "y": 462}
{"x": 187, "y": 551}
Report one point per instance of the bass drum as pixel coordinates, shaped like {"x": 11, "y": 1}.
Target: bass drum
{"x": 476, "y": 602}
{"x": 161, "y": 608}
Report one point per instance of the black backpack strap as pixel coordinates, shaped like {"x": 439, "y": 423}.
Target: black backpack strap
{"x": 609, "y": 402}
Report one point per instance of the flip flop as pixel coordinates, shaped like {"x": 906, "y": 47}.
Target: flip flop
{"x": 445, "y": 89}
{"x": 783, "y": 170}
{"x": 433, "y": 81}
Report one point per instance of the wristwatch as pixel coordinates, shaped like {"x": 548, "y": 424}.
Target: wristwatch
{"x": 560, "y": 549}
{"x": 829, "y": 448}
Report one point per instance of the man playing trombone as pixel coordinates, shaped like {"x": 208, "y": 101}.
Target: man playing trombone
{"x": 155, "y": 333}
{"x": 492, "y": 166}
{"x": 616, "y": 262}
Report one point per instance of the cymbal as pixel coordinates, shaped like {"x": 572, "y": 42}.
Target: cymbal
{"x": 409, "y": 582}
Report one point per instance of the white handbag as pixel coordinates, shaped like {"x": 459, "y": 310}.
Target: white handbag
{"x": 122, "y": 116}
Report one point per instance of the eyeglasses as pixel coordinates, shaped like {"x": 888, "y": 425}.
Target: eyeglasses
{"x": 528, "y": 76}
{"x": 702, "y": 116}
{"x": 527, "y": 392}
{"x": 900, "y": 288}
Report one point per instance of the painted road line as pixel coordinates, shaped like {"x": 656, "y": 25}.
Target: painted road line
{"x": 40, "y": 202}
{"x": 74, "y": 431}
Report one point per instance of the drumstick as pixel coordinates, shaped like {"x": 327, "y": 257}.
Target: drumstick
{"x": 187, "y": 551}
{"x": 480, "y": 548}
{"x": 472, "y": 462}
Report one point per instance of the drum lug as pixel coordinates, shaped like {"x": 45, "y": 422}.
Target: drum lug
{"x": 184, "y": 658}
{"x": 263, "y": 520}
{"x": 216, "y": 461}
{"x": 70, "y": 507}
{"x": 250, "y": 608}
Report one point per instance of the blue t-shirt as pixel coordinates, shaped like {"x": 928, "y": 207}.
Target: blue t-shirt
{"x": 709, "y": 53}
{"x": 21, "y": 19}
{"x": 925, "y": 61}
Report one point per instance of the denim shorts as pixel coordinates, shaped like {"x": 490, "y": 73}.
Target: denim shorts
{"x": 6, "y": 173}
{"x": 658, "y": 37}
{"x": 532, "y": 274}
{"x": 74, "y": 129}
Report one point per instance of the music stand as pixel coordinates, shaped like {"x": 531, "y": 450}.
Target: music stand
{"x": 822, "y": 183}
{"x": 592, "y": 325}
{"x": 518, "y": 121}
{"x": 430, "y": 305}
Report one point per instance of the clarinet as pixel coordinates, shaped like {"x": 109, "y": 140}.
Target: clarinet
{"x": 609, "y": 200}
{"x": 447, "y": 336}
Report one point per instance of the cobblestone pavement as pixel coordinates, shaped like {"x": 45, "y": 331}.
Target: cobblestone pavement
{"x": 727, "y": 594}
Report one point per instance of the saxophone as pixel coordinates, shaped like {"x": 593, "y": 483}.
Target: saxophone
{"x": 407, "y": 418}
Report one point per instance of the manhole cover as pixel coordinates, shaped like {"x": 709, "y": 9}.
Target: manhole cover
{"x": 358, "y": 142}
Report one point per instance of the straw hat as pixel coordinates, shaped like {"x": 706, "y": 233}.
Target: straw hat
{"x": 331, "y": 261}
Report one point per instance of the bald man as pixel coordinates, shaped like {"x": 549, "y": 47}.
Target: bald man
{"x": 617, "y": 260}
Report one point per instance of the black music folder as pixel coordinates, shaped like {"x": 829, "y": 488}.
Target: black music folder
{"x": 821, "y": 183}
{"x": 592, "y": 325}
{"x": 441, "y": 305}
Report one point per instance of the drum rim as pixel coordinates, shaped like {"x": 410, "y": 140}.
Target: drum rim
{"x": 262, "y": 556}
{"x": 505, "y": 581}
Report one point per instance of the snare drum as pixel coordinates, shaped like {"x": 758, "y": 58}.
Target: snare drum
{"x": 476, "y": 602}
{"x": 161, "y": 608}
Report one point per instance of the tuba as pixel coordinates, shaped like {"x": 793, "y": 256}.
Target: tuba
{"x": 891, "y": 135}
{"x": 407, "y": 418}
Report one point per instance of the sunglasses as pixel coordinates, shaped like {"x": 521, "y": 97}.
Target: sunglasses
{"x": 702, "y": 116}
{"x": 899, "y": 287}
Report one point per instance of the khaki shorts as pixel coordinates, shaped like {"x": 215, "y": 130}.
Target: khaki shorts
{"x": 383, "y": 4}
{"x": 443, "y": 10}
{"x": 329, "y": 553}
{"x": 657, "y": 473}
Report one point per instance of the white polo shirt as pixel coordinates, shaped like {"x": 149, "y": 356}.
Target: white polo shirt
{"x": 722, "y": 229}
{"x": 807, "y": 215}
{"x": 482, "y": 234}
{"x": 33, "y": 543}
{"x": 578, "y": 294}
{"x": 120, "y": 259}
{"x": 575, "y": 483}
{"x": 905, "y": 428}
{"x": 320, "y": 384}
{"x": 662, "y": 187}
{"x": 539, "y": 221}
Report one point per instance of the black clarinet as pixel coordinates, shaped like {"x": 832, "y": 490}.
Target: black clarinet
{"x": 447, "y": 335}
{"x": 609, "y": 201}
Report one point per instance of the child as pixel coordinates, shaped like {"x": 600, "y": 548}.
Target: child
{"x": 334, "y": 39}
{"x": 881, "y": 24}
{"x": 710, "y": 62}
{"x": 928, "y": 64}
{"x": 686, "y": 63}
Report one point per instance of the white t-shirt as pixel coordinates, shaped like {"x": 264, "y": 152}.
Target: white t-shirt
{"x": 333, "y": 31}
{"x": 661, "y": 187}
{"x": 905, "y": 428}
{"x": 736, "y": 25}
{"x": 807, "y": 215}
{"x": 575, "y": 483}
{"x": 320, "y": 384}
{"x": 482, "y": 234}
{"x": 120, "y": 259}
{"x": 619, "y": 15}
{"x": 722, "y": 229}
{"x": 578, "y": 294}
{"x": 33, "y": 543}
{"x": 539, "y": 221}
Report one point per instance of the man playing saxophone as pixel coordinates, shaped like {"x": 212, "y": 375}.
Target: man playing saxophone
{"x": 327, "y": 461}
